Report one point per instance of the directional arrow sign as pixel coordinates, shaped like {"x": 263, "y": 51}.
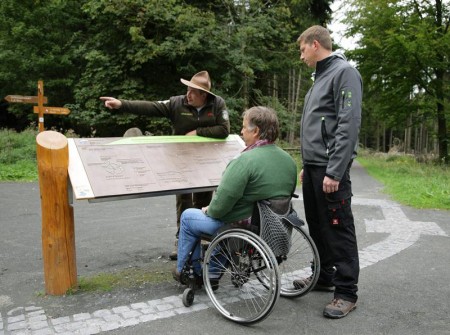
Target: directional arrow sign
{"x": 24, "y": 99}
{"x": 52, "y": 110}
{"x": 403, "y": 232}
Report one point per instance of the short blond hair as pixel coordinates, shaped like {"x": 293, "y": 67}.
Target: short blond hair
{"x": 316, "y": 33}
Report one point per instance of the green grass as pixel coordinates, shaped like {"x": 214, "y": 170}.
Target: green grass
{"x": 130, "y": 278}
{"x": 127, "y": 278}
{"x": 18, "y": 155}
{"x": 419, "y": 185}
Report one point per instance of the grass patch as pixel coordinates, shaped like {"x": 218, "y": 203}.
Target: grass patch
{"x": 419, "y": 185}
{"x": 19, "y": 171}
{"x": 18, "y": 155}
{"x": 128, "y": 278}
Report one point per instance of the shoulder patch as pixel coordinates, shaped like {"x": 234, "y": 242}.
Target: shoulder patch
{"x": 225, "y": 114}
{"x": 165, "y": 102}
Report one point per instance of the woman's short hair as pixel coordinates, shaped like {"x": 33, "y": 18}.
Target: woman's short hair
{"x": 265, "y": 119}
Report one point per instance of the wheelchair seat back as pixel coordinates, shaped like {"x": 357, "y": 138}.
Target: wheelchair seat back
{"x": 275, "y": 218}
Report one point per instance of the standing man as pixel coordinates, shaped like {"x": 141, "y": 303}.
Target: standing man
{"x": 199, "y": 112}
{"x": 329, "y": 139}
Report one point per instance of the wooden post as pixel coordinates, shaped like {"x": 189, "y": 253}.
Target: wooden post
{"x": 40, "y": 105}
{"x": 58, "y": 236}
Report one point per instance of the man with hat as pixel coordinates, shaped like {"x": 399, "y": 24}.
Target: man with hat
{"x": 199, "y": 112}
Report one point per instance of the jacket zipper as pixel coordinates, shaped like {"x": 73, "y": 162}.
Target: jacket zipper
{"x": 325, "y": 136}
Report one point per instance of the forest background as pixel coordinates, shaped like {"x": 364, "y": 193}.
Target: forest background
{"x": 139, "y": 49}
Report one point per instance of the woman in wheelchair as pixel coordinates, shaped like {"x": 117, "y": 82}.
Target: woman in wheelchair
{"x": 261, "y": 171}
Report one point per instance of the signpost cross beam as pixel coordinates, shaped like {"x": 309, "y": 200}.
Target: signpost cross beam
{"x": 40, "y": 109}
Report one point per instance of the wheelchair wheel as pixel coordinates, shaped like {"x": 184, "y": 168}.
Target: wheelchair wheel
{"x": 188, "y": 297}
{"x": 239, "y": 296}
{"x": 302, "y": 261}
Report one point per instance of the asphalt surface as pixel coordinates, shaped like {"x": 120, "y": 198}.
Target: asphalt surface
{"x": 404, "y": 282}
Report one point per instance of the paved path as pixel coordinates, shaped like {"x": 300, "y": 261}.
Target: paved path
{"x": 403, "y": 285}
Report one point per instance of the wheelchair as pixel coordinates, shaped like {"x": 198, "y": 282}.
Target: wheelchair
{"x": 246, "y": 269}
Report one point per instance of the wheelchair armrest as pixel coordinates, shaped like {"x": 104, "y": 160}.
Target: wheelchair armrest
{"x": 293, "y": 219}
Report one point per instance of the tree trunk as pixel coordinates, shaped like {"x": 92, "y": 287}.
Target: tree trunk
{"x": 295, "y": 99}
{"x": 442, "y": 123}
{"x": 408, "y": 135}
{"x": 377, "y": 136}
{"x": 391, "y": 138}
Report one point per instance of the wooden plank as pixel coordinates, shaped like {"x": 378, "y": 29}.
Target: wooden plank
{"x": 23, "y": 99}
{"x": 52, "y": 110}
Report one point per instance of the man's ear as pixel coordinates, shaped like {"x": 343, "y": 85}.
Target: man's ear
{"x": 316, "y": 44}
{"x": 257, "y": 131}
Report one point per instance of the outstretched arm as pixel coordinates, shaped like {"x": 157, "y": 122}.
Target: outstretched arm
{"x": 111, "y": 103}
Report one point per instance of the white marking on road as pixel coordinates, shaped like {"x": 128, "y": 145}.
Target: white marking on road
{"x": 403, "y": 232}
{"x": 32, "y": 320}
{"x": 5, "y": 300}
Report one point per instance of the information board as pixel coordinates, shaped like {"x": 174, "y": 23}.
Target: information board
{"x": 102, "y": 169}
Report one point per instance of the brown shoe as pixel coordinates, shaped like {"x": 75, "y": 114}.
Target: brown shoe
{"x": 305, "y": 282}
{"x": 176, "y": 275}
{"x": 174, "y": 255}
{"x": 338, "y": 308}
{"x": 184, "y": 279}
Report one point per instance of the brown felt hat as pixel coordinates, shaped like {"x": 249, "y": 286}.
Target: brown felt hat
{"x": 199, "y": 81}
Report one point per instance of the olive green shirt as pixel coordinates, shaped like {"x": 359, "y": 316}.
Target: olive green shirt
{"x": 211, "y": 120}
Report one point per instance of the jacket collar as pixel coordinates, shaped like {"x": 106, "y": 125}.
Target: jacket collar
{"x": 325, "y": 63}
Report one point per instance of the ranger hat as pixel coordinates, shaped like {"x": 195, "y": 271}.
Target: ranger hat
{"x": 199, "y": 81}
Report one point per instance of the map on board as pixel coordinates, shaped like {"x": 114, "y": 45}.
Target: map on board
{"x": 101, "y": 168}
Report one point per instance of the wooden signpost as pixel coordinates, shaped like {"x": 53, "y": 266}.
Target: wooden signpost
{"x": 40, "y": 109}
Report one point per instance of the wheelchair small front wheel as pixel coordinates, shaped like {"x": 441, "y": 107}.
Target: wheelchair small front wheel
{"x": 188, "y": 297}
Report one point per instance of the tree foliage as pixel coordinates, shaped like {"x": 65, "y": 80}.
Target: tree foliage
{"x": 138, "y": 49}
{"x": 241, "y": 44}
{"x": 404, "y": 57}
{"x": 36, "y": 42}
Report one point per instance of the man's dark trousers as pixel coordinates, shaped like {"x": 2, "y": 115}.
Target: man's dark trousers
{"x": 331, "y": 226}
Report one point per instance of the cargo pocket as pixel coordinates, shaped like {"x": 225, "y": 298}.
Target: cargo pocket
{"x": 339, "y": 210}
